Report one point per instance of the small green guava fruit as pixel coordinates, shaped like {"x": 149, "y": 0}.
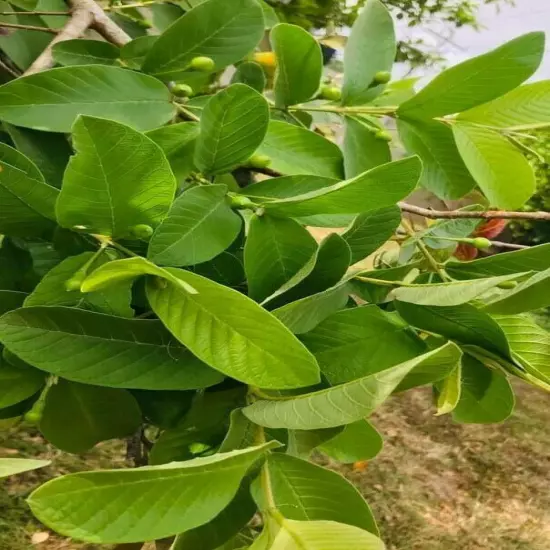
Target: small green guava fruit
{"x": 202, "y": 64}
{"x": 259, "y": 161}
{"x": 382, "y": 135}
{"x": 142, "y": 231}
{"x": 382, "y": 77}
{"x": 481, "y": 243}
{"x": 332, "y": 93}
{"x": 182, "y": 90}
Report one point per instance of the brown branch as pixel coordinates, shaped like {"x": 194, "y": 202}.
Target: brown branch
{"x": 27, "y": 27}
{"x": 473, "y": 214}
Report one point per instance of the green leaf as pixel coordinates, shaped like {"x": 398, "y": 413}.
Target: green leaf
{"x": 12, "y": 466}
{"x": 305, "y": 314}
{"x": 536, "y": 258}
{"x": 362, "y": 149}
{"x": 76, "y": 416}
{"x": 369, "y": 231}
{"x": 233, "y": 334}
{"x": 199, "y": 227}
{"x": 301, "y": 443}
{"x": 251, "y": 74}
{"x": 347, "y": 403}
{"x": 434, "y": 236}
{"x": 464, "y": 323}
{"x": 93, "y": 348}
{"x": 294, "y": 150}
{"x": 371, "y": 48}
{"x": 357, "y": 342}
{"x": 499, "y": 168}
{"x": 226, "y": 269}
{"x": 525, "y": 107}
{"x": 17, "y": 383}
{"x": 358, "y": 442}
{"x": 161, "y": 500}
{"x": 163, "y": 409}
{"x": 486, "y": 395}
{"x": 52, "y": 100}
{"x": 286, "y": 187}
{"x": 233, "y": 125}
{"x": 26, "y": 200}
{"x": 224, "y": 31}
{"x": 241, "y": 434}
{"x": 380, "y": 187}
{"x": 119, "y": 178}
{"x": 449, "y": 391}
{"x": 299, "y": 64}
{"x": 51, "y": 290}
{"x": 445, "y": 173}
{"x": 306, "y": 492}
{"x": 478, "y": 80}
{"x": 10, "y": 299}
{"x": 133, "y": 53}
{"x": 276, "y": 250}
{"x": 50, "y": 152}
{"x": 449, "y": 294}
{"x": 531, "y": 294}
{"x": 85, "y": 52}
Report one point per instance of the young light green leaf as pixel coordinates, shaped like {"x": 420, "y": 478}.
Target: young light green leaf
{"x": 499, "y": 168}
{"x": 26, "y": 201}
{"x": 224, "y": 31}
{"x": 346, "y": 403}
{"x": 380, "y": 187}
{"x": 161, "y": 500}
{"x": 233, "y": 125}
{"x": 525, "y": 107}
{"x": 118, "y": 179}
{"x": 13, "y": 466}
{"x": 93, "y": 348}
{"x": 276, "y": 250}
{"x": 233, "y": 334}
{"x": 77, "y": 416}
{"x": 199, "y": 227}
{"x": 306, "y": 492}
{"x": 369, "y": 231}
{"x": 486, "y": 396}
{"x": 251, "y": 74}
{"x": 478, "y": 80}
{"x": 362, "y": 149}
{"x": 449, "y": 391}
{"x": 445, "y": 173}
{"x": 299, "y": 64}
{"x": 85, "y": 52}
{"x": 358, "y": 442}
{"x": 294, "y": 150}
{"x": 371, "y": 48}
{"x": 18, "y": 382}
{"x": 52, "y": 100}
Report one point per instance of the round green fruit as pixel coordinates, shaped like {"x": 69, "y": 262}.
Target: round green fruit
{"x": 332, "y": 93}
{"x": 182, "y": 90}
{"x": 481, "y": 243}
{"x": 142, "y": 231}
{"x": 203, "y": 64}
{"x": 382, "y": 77}
{"x": 259, "y": 161}
{"x": 507, "y": 285}
{"x": 382, "y": 135}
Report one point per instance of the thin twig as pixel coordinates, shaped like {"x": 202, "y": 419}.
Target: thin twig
{"x": 186, "y": 113}
{"x": 27, "y": 27}
{"x": 512, "y": 246}
{"x": 129, "y": 6}
{"x": 9, "y": 70}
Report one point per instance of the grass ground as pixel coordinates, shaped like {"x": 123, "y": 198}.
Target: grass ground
{"x": 435, "y": 486}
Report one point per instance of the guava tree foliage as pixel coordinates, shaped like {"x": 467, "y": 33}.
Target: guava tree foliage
{"x": 145, "y": 292}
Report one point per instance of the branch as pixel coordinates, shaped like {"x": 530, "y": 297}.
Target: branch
{"x": 27, "y": 27}
{"x": 472, "y": 214}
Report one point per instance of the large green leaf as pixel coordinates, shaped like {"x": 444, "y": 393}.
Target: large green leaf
{"x": 160, "y": 500}
{"x": 51, "y": 290}
{"x": 233, "y": 125}
{"x": 294, "y": 150}
{"x": 486, "y": 395}
{"x": 362, "y": 149}
{"x": 275, "y": 251}
{"x": 436, "y": 235}
{"x": 371, "y": 48}
{"x": 26, "y": 201}
{"x": 301, "y": 443}
{"x": 251, "y": 74}
{"x": 199, "y": 227}
{"x": 449, "y": 294}
{"x": 464, "y": 323}
{"x": 359, "y": 441}
{"x": 306, "y": 492}
{"x": 524, "y": 107}
{"x": 478, "y": 80}
{"x": 286, "y": 187}
{"x": 233, "y": 334}
{"x": 85, "y": 52}
{"x": 357, "y": 342}
{"x": 299, "y": 64}
{"x": 347, "y": 403}
{"x": 380, "y": 187}
{"x": 18, "y": 382}
{"x": 224, "y": 31}
{"x": 78, "y": 416}
{"x": 499, "y": 168}
{"x": 51, "y": 100}
{"x": 93, "y": 348}
{"x": 12, "y": 466}
{"x": 369, "y": 231}
{"x": 445, "y": 173}
{"x": 119, "y": 178}
{"x": 10, "y": 299}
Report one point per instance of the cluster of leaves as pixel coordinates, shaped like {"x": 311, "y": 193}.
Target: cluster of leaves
{"x": 143, "y": 291}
